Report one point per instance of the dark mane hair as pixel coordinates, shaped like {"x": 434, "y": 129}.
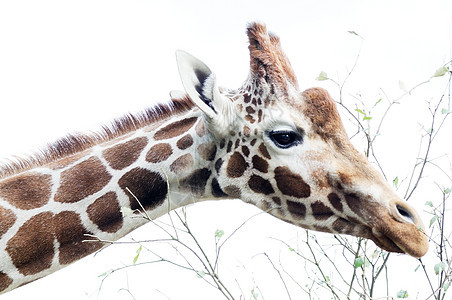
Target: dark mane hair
{"x": 74, "y": 143}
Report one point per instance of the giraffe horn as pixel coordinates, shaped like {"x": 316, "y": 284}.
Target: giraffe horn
{"x": 267, "y": 59}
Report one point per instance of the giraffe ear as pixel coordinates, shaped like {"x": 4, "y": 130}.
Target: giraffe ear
{"x": 201, "y": 85}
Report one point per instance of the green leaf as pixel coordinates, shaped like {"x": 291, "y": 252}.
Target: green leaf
{"x": 378, "y": 101}
{"x": 447, "y": 191}
{"x": 441, "y": 72}
{"x": 445, "y": 111}
{"x": 433, "y": 220}
{"x": 359, "y": 262}
{"x": 441, "y": 266}
{"x": 402, "y": 294}
{"x": 322, "y": 76}
{"x": 429, "y": 203}
{"x": 367, "y": 118}
{"x": 395, "y": 181}
{"x": 353, "y": 32}
{"x": 201, "y": 274}
{"x": 417, "y": 268}
{"x": 138, "y": 254}
{"x": 219, "y": 233}
{"x": 291, "y": 249}
{"x": 360, "y": 111}
{"x": 446, "y": 286}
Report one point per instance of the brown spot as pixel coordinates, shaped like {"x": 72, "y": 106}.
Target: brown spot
{"x": 321, "y": 211}
{"x": 260, "y": 185}
{"x": 106, "y": 213}
{"x": 184, "y": 142}
{"x": 175, "y": 129}
{"x": 182, "y": 164}
{"x": 82, "y": 180}
{"x": 250, "y": 119}
{"x": 125, "y": 154}
{"x": 31, "y": 248}
{"x": 222, "y": 143}
{"x": 260, "y": 164}
{"x": 5, "y": 281}
{"x": 353, "y": 202}
{"x": 341, "y": 225}
{"x": 71, "y": 235}
{"x": 233, "y": 191}
{"x": 148, "y": 187}
{"x": 207, "y": 151}
{"x": 196, "y": 182}
{"x": 246, "y": 151}
{"x": 335, "y": 201}
{"x": 7, "y": 219}
{"x": 253, "y": 142}
{"x": 237, "y": 143}
{"x": 159, "y": 153}
{"x": 296, "y": 208}
{"x": 263, "y": 150}
{"x": 250, "y": 110}
{"x": 277, "y": 200}
{"x": 229, "y": 147}
{"x": 291, "y": 184}
{"x": 236, "y": 165}
{"x": 216, "y": 189}
{"x": 246, "y": 98}
{"x": 265, "y": 205}
{"x": 246, "y": 131}
{"x": 200, "y": 128}
{"x": 26, "y": 191}
{"x": 259, "y": 115}
{"x": 218, "y": 165}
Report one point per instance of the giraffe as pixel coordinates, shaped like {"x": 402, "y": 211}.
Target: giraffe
{"x": 267, "y": 143}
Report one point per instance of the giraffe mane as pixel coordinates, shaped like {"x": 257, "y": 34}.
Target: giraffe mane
{"x": 75, "y": 143}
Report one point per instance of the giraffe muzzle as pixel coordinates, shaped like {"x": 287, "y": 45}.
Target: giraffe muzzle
{"x": 401, "y": 230}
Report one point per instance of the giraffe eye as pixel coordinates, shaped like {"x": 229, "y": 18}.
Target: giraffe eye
{"x": 285, "y": 139}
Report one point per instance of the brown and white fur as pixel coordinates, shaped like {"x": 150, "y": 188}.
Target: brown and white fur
{"x": 267, "y": 143}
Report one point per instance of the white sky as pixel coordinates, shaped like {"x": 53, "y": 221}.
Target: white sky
{"x": 70, "y": 66}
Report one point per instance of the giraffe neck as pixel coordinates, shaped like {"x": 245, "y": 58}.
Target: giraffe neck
{"x": 47, "y": 212}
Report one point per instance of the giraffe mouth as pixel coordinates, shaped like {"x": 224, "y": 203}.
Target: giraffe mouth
{"x": 399, "y": 238}
{"x": 379, "y": 237}
{"x": 384, "y": 242}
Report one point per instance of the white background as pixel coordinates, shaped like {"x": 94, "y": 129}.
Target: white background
{"x": 68, "y": 66}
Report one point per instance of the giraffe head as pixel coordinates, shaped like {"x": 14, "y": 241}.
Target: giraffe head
{"x": 287, "y": 152}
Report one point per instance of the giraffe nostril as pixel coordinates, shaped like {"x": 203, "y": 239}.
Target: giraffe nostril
{"x": 405, "y": 213}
